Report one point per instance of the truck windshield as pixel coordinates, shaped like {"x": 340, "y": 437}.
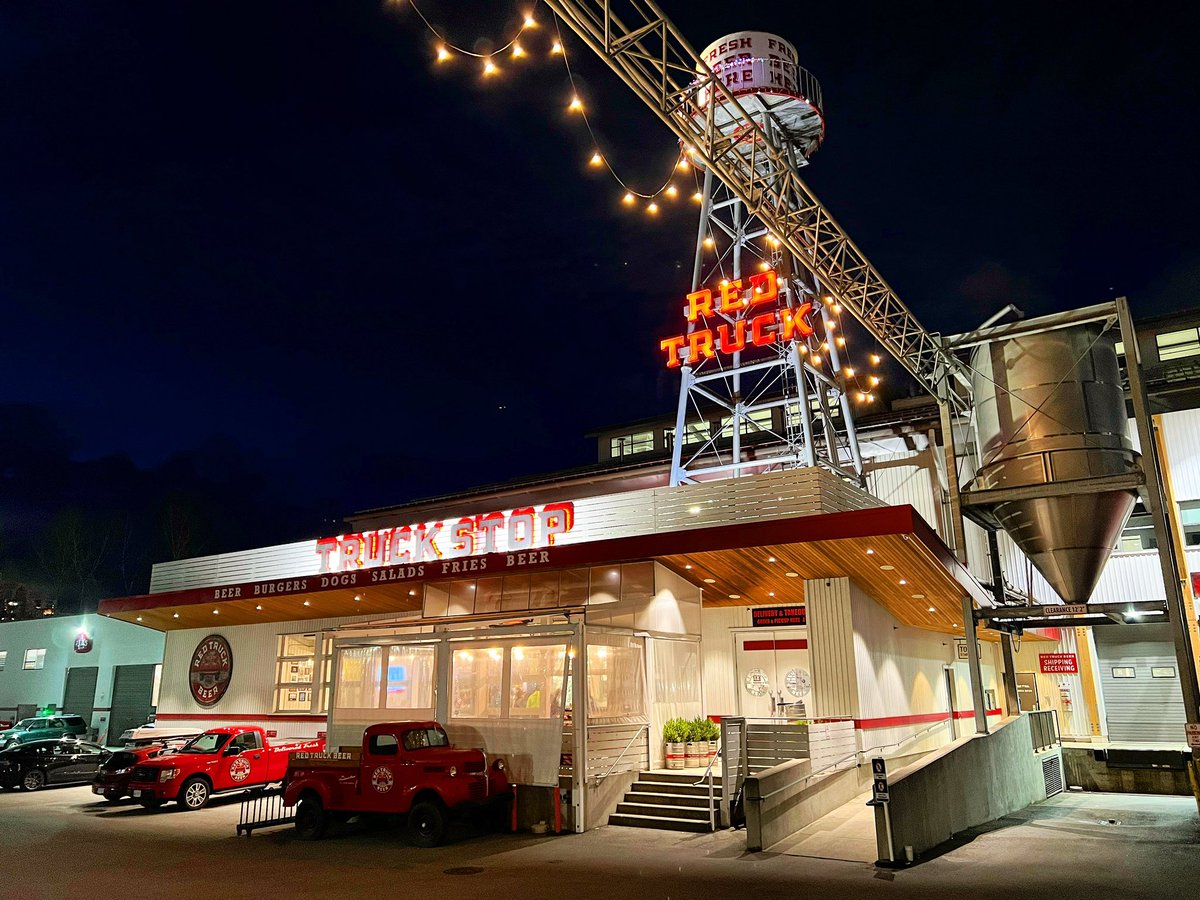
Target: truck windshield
{"x": 205, "y": 743}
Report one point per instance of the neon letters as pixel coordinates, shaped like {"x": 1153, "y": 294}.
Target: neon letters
{"x": 733, "y": 301}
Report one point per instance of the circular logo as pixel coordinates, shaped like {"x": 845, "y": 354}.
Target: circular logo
{"x": 757, "y": 682}
{"x": 210, "y": 670}
{"x": 798, "y": 682}
{"x": 240, "y": 769}
{"x": 83, "y": 642}
{"x": 381, "y": 779}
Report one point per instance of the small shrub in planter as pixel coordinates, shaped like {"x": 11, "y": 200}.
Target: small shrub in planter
{"x": 710, "y": 732}
{"x": 675, "y": 735}
{"x": 696, "y": 749}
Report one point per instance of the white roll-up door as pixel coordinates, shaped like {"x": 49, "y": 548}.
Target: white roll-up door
{"x": 1140, "y": 681}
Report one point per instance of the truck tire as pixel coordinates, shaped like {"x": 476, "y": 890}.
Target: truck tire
{"x": 310, "y": 818}
{"x": 427, "y": 823}
{"x": 194, "y": 794}
{"x": 33, "y": 780}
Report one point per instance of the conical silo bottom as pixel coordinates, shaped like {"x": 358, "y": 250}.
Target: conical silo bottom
{"x": 1068, "y": 539}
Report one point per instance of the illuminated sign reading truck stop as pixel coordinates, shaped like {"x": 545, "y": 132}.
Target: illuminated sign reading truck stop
{"x": 732, "y": 297}
{"x": 524, "y": 529}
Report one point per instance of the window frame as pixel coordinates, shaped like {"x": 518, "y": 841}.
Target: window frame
{"x": 1187, "y": 344}
{"x": 319, "y": 684}
{"x": 38, "y": 662}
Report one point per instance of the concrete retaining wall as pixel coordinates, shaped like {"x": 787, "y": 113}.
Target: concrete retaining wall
{"x": 780, "y": 801}
{"x": 974, "y": 780}
{"x": 1084, "y": 770}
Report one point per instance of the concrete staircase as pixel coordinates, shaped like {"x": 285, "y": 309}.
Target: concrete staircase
{"x": 668, "y": 800}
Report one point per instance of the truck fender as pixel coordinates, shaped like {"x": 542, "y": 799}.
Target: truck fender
{"x": 295, "y": 789}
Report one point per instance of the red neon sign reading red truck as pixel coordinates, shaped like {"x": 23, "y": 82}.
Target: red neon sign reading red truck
{"x": 736, "y": 298}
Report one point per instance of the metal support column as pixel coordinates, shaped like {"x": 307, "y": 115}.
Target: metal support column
{"x": 1011, "y": 707}
{"x": 972, "y": 636}
{"x": 1172, "y": 577}
{"x": 955, "y": 530}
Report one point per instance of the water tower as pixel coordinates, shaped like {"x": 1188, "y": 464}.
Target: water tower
{"x": 790, "y": 396}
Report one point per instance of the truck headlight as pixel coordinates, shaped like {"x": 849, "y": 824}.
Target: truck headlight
{"x": 167, "y": 775}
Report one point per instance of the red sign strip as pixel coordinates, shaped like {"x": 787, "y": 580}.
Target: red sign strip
{"x": 798, "y": 644}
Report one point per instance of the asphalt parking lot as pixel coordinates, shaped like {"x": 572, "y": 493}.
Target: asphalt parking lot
{"x": 62, "y": 842}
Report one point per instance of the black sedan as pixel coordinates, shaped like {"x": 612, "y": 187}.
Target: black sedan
{"x": 34, "y": 765}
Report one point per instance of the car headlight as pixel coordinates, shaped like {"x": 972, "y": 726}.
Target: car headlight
{"x": 167, "y": 775}
{"x": 120, "y": 771}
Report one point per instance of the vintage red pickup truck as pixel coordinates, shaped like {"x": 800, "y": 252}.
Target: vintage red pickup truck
{"x": 402, "y": 768}
{"x": 232, "y": 758}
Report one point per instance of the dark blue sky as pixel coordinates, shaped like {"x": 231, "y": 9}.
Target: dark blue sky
{"x": 278, "y": 226}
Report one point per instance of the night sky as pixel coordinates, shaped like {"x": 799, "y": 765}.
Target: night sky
{"x": 270, "y": 256}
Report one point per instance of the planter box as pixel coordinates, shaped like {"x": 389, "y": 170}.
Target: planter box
{"x": 674, "y": 755}
{"x": 695, "y": 754}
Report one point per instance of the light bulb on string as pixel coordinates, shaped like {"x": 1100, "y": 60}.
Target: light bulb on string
{"x": 816, "y": 359}
{"x": 596, "y": 159}
{"x": 873, "y": 380}
{"x": 652, "y": 208}
{"x": 442, "y": 54}
{"x": 831, "y": 326}
{"x": 875, "y": 359}
{"x": 841, "y": 341}
{"x": 849, "y": 371}
{"x": 672, "y": 191}
{"x": 556, "y": 49}
{"x": 709, "y": 242}
{"x": 683, "y": 165}
{"x": 517, "y": 51}
{"x": 837, "y": 307}
{"x": 529, "y": 22}
{"x": 576, "y": 105}
{"x": 698, "y": 197}
{"x": 627, "y": 199}
{"x": 825, "y": 346}
{"x": 489, "y": 68}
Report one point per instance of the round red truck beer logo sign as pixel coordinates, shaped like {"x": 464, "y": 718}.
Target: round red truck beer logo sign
{"x": 240, "y": 770}
{"x": 210, "y": 670}
{"x": 381, "y": 779}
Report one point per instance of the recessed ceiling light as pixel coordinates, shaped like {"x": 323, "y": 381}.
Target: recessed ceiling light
{"x": 694, "y": 510}
{"x": 735, "y": 596}
{"x": 306, "y": 603}
{"x": 931, "y": 609}
{"x": 688, "y": 566}
{"x": 139, "y": 618}
{"x": 710, "y": 581}
{"x": 358, "y": 598}
{"x": 770, "y": 559}
{"x": 870, "y": 552}
{"x": 412, "y": 593}
{"x": 902, "y": 581}
{"x": 216, "y": 612}
{"x": 887, "y": 568}
{"x": 175, "y": 615}
{"x": 792, "y": 574}
{"x": 259, "y": 607}
{"x": 770, "y": 593}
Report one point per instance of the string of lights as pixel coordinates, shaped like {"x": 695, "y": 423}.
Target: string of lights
{"x": 446, "y": 47}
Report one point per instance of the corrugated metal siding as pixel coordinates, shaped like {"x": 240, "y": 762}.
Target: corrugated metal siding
{"x": 1136, "y": 576}
{"x": 831, "y": 647}
{"x": 1072, "y": 722}
{"x": 779, "y": 495}
{"x": 720, "y": 663}
{"x": 906, "y": 478}
{"x": 1140, "y": 708}
{"x": 1181, "y": 434}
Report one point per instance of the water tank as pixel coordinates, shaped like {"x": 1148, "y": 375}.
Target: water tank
{"x": 1050, "y": 407}
{"x": 762, "y": 71}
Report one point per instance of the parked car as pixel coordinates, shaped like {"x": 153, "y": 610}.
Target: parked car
{"x": 43, "y": 728}
{"x": 36, "y": 764}
{"x": 403, "y": 767}
{"x": 114, "y": 775}
{"x": 231, "y": 758}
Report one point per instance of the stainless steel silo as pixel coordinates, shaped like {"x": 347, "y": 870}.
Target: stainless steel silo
{"x": 1050, "y": 407}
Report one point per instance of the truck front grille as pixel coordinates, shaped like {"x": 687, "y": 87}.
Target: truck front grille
{"x": 144, "y": 773}
{"x": 478, "y": 789}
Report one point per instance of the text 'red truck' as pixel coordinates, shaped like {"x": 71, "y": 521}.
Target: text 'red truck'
{"x": 402, "y": 768}
{"x": 232, "y": 758}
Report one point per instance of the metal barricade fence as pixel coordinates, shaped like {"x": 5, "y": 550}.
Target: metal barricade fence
{"x": 262, "y": 809}
{"x": 1043, "y": 728}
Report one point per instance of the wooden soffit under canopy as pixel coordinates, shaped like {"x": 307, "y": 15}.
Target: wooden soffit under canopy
{"x": 889, "y": 552}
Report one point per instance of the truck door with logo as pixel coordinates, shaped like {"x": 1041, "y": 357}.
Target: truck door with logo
{"x": 242, "y": 762}
{"x": 383, "y": 773}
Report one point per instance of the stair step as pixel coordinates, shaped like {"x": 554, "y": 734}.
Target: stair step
{"x": 691, "y": 813}
{"x": 689, "y": 776}
{"x": 661, "y": 823}
{"x": 665, "y": 799}
{"x": 672, "y": 787}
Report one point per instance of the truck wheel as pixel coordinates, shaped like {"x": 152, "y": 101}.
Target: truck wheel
{"x": 310, "y": 818}
{"x": 427, "y": 822}
{"x": 33, "y": 780}
{"x": 194, "y": 794}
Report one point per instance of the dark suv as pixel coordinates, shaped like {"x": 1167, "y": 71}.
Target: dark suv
{"x": 43, "y": 728}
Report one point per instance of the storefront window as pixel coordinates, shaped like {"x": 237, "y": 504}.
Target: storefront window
{"x": 616, "y": 682}
{"x": 410, "y": 677}
{"x": 535, "y": 681}
{"x": 477, "y": 679}
{"x": 296, "y": 683}
{"x": 360, "y": 677}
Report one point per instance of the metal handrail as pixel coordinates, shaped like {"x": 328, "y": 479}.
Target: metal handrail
{"x": 637, "y": 734}
{"x": 856, "y": 753}
{"x": 712, "y": 823}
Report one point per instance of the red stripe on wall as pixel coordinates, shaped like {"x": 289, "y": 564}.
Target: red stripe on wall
{"x": 796, "y": 644}
{"x": 192, "y": 717}
{"x": 919, "y": 719}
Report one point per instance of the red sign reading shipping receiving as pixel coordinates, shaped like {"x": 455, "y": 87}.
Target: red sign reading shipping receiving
{"x": 1059, "y": 663}
{"x": 783, "y": 324}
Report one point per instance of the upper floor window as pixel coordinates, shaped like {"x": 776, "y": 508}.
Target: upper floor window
{"x": 35, "y": 659}
{"x": 3, "y": 659}
{"x": 629, "y": 444}
{"x": 1178, "y": 344}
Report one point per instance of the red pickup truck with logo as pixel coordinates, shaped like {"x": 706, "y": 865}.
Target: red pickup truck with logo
{"x": 231, "y": 758}
{"x": 403, "y": 768}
